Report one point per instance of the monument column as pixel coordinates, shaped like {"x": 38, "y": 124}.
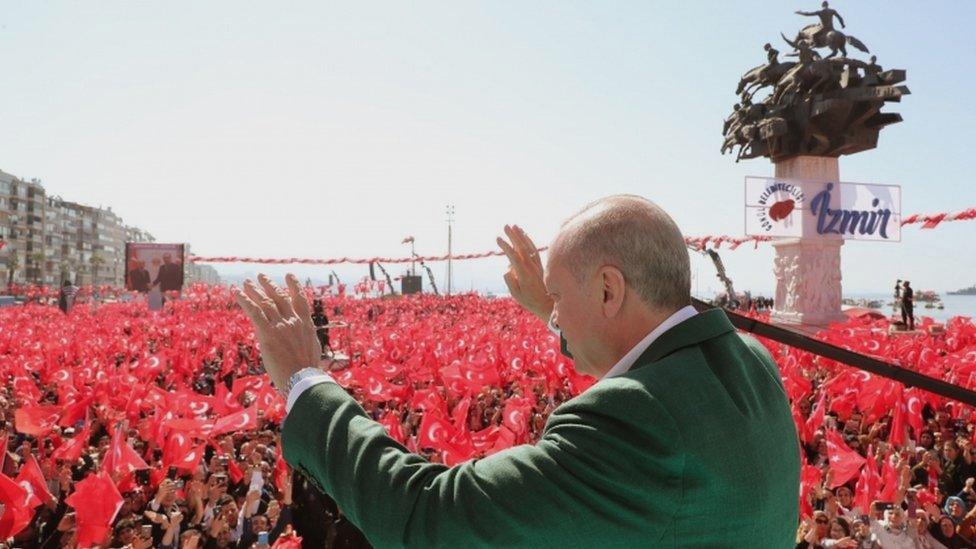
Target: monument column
{"x": 808, "y": 275}
{"x": 803, "y": 115}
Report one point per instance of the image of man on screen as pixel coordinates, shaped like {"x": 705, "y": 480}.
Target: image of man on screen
{"x": 170, "y": 275}
{"x": 139, "y": 277}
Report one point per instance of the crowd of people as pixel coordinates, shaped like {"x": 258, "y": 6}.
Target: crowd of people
{"x": 884, "y": 465}
{"x": 126, "y": 427}
{"x": 131, "y": 428}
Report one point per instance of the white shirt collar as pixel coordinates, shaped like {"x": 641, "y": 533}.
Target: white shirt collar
{"x": 632, "y": 355}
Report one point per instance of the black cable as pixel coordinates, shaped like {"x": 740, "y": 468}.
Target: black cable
{"x": 907, "y": 377}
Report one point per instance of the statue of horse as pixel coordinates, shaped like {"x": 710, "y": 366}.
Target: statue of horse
{"x": 762, "y": 76}
{"x": 834, "y": 39}
{"x": 804, "y": 77}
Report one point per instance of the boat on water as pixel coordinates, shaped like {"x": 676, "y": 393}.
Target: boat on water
{"x": 862, "y": 302}
{"x": 965, "y": 291}
{"x": 927, "y": 296}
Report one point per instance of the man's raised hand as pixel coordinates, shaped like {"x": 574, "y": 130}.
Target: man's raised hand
{"x": 283, "y": 325}
{"x": 524, "y": 276}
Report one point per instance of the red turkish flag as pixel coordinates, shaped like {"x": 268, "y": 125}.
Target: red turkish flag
{"x": 192, "y": 427}
{"x": 427, "y": 400}
{"x": 516, "y": 414}
{"x": 924, "y": 497}
{"x": 505, "y": 440}
{"x": 120, "y": 457}
{"x": 225, "y": 401}
{"x": 288, "y": 542}
{"x": 394, "y": 429}
{"x": 890, "y": 477}
{"x": 31, "y": 478}
{"x": 96, "y": 501}
{"x": 248, "y": 383}
{"x": 435, "y": 431}
{"x": 867, "y": 486}
{"x": 177, "y": 445}
{"x": 476, "y": 375}
{"x": 36, "y": 420}
{"x": 71, "y": 449}
{"x": 195, "y": 404}
{"x": 913, "y": 410}
{"x": 234, "y": 471}
{"x": 809, "y": 477}
{"x": 816, "y": 419}
{"x": 898, "y": 424}
{"x": 281, "y": 472}
{"x": 17, "y": 512}
{"x": 75, "y": 412}
{"x": 843, "y": 405}
{"x": 190, "y": 460}
{"x": 245, "y": 420}
{"x": 460, "y": 414}
{"x": 377, "y": 388}
{"x": 844, "y": 462}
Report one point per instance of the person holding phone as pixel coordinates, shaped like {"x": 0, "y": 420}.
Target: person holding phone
{"x": 161, "y": 507}
{"x": 171, "y": 533}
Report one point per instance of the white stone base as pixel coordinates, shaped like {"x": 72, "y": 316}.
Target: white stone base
{"x": 808, "y": 281}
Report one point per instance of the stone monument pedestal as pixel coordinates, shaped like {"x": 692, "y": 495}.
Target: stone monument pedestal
{"x": 808, "y": 276}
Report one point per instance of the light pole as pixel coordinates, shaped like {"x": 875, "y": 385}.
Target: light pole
{"x": 450, "y": 266}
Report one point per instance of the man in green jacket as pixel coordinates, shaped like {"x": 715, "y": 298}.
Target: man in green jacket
{"x": 686, "y": 440}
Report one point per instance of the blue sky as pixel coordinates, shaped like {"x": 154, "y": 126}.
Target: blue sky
{"x": 323, "y": 130}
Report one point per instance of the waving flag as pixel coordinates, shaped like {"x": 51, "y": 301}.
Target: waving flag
{"x": 31, "y": 479}
{"x": 844, "y": 462}
{"x": 36, "y": 420}
{"x": 75, "y": 412}
{"x": 245, "y": 420}
{"x": 120, "y": 457}
{"x": 516, "y": 415}
{"x": 281, "y": 473}
{"x": 288, "y": 541}
{"x": 70, "y": 450}
{"x": 867, "y": 486}
{"x": 891, "y": 479}
{"x": 17, "y": 511}
{"x": 96, "y": 501}
{"x": 190, "y": 460}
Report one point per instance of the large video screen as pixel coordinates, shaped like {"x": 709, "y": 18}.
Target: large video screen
{"x": 151, "y": 265}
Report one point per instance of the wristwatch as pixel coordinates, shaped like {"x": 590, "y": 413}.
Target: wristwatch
{"x": 300, "y": 375}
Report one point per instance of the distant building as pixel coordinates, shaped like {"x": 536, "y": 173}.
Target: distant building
{"x": 49, "y": 239}
{"x": 202, "y": 273}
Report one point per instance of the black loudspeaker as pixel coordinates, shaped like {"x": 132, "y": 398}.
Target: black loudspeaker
{"x": 411, "y": 285}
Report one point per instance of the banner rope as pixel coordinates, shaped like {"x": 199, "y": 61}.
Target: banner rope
{"x": 928, "y": 221}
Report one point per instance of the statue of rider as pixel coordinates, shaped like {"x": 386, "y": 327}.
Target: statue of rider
{"x": 826, "y": 15}
{"x": 772, "y": 60}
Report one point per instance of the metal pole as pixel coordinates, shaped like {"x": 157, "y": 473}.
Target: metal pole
{"x": 450, "y": 264}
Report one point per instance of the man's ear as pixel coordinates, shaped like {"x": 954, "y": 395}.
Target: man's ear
{"x": 613, "y": 287}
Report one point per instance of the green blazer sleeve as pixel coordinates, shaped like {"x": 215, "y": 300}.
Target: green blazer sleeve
{"x": 694, "y": 446}
{"x": 576, "y": 487}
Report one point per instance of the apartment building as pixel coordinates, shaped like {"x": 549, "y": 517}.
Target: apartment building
{"x": 49, "y": 239}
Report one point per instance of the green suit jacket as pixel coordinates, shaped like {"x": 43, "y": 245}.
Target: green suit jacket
{"x": 693, "y": 447}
